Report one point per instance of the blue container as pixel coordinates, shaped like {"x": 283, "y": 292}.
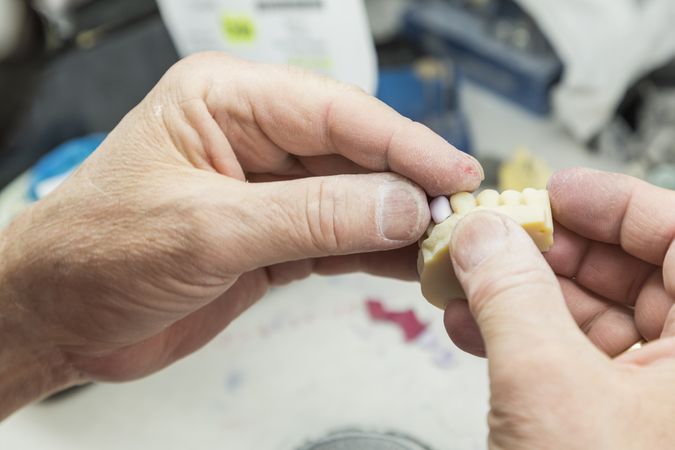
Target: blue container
{"x": 60, "y": 162}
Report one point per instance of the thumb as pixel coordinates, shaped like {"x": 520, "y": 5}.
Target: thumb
{"x": 316, "y": 217}
{"x": 513, "y": 294}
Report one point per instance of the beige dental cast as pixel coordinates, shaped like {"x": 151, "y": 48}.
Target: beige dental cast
{"x": 531, "y": 209}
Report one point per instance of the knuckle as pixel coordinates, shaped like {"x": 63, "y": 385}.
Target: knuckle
{"x": 322, "y": 212}
{"x": 193, "y": 76}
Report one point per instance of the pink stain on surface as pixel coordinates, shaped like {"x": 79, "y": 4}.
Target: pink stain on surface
{"x": 407, "y": 321}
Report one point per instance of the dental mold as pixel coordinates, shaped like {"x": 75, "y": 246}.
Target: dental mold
{"x": 530, "y": 208}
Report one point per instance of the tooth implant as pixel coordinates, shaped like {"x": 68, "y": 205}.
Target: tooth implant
{"x": 440, "y": 209}
{"x": 531, "y": 209}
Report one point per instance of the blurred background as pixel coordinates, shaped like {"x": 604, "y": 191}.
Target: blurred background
{"x": 526, "y": 86}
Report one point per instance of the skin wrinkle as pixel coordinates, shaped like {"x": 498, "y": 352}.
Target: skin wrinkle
{"x": 624, "y": 233}
{"x": 391, "y": 140}
{"x": 224, "y": 163}
{"x": 173, "y": 133}
{"x": 287, "y": 159}
{"x": 587, "y": 325}
{"x": 327, "y": 140}
{"x": 199, "y": 119}
{"x": 379, "y": 211}
{"x": 311, "y": 233}
{"x": 324, "y": 219}
{"x": 617, "y": 233}
{"x": 261, "y": 121}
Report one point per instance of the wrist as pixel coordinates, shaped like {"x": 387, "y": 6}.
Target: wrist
{"x": 31, "y": 367}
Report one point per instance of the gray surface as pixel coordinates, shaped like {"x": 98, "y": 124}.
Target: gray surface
{"x": 359, "y": 440}
{"x": 88, "y": 91}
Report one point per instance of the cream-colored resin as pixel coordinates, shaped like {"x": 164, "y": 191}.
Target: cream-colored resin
{"x": 531, "y": 209}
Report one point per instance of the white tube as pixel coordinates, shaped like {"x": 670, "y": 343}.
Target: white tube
{"x": 12, "y": 21}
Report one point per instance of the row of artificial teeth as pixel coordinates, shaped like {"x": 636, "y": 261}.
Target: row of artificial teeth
{"x": 443, "y": 208}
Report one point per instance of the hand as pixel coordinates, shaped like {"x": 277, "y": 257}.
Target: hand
{"x": 550, "y": 387}
{"x": 157, "y": 242}
{"x": 614, "y": 258}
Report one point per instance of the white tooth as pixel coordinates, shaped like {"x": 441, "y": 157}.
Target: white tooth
{"x": 511, "y": 198}
{"x": 463, "y": 203}
{"x": 533, "y": 196}
{"x": 488, "y": 198}
{"x": 440, "y": 209}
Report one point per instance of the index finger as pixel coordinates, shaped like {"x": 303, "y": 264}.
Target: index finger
{"x": 616, "y": 209}
{"x": 308, "y": 115}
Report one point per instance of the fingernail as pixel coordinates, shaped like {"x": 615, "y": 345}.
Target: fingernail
{"x": 400, "y": 211}
{"x": 476, "y": 164}
{"x": 476, "y": 238}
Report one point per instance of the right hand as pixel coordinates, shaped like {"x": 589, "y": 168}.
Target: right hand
{"x": 614, "y": 258}
{"x": 550, "y": 387}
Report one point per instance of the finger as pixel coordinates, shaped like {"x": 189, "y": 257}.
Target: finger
{"x": 611, "y": 327}
{"x": 329, "y": 165}
{"x": 272, "y": 178}
{"x": 669, "y": 326}
{"x": 652, "y": 352}
{"x": 615, "y": 209}
{"x": 197, "y": 329}
{"x": 288, "y": 272}
{"x": 399, "y": 264}
{"x": 308, "y": 115}
{"x": 604, "y": 269}
{"x": 181, "y": 338}
{"x": 513, "y": 294}
{"x": 652, "y": 307}
{"x": 271, "y": 223}
{"x": 462, "y": 328}
{"x": 214, "y": 148}
{"x": 669, "y": 272}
